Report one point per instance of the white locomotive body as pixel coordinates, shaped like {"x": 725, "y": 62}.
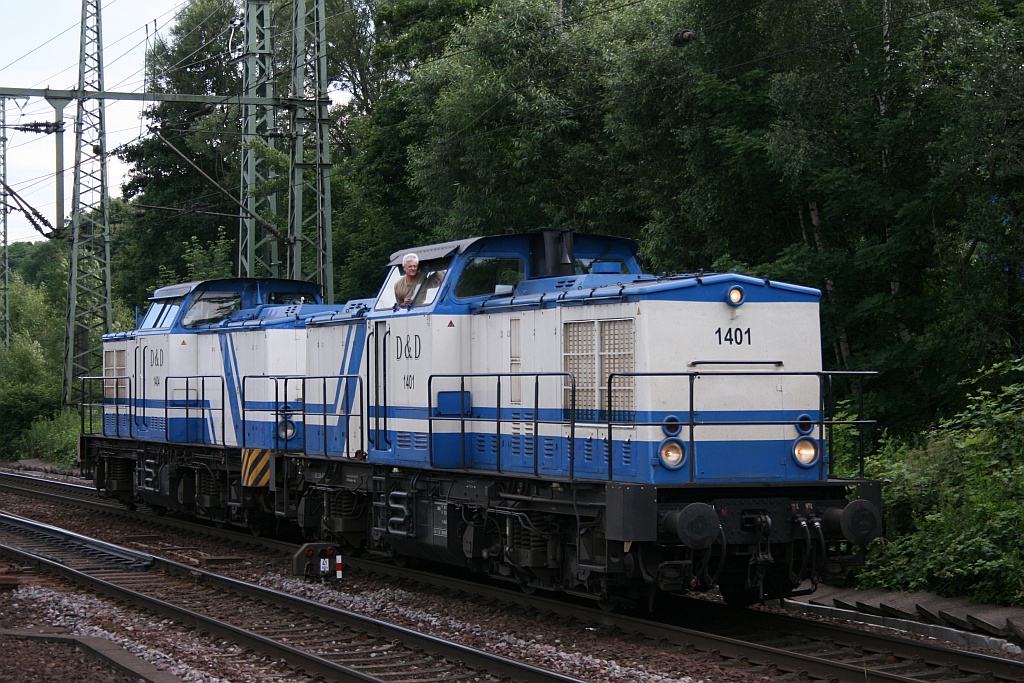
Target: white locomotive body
{"x": 542, "y": 411}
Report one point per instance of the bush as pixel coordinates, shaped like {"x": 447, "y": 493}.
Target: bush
{"x": 955, "y": 505}
{"x": 21, "y": 405}
{"x": 52, "y": 440}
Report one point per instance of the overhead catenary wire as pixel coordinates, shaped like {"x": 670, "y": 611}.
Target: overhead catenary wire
{"x": 270, "y": 227}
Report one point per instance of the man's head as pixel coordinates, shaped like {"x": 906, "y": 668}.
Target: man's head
{"x": 410, "y": 262}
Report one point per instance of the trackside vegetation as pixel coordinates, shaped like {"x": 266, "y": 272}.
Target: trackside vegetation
{"x": 955, "y": 499}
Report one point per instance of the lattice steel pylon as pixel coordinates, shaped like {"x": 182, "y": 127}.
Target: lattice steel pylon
{"x": 89, "y": 298}
{"x": 309, "y": 210}
{"x": 5, "y": 284}
{"x": 257, "y": 248}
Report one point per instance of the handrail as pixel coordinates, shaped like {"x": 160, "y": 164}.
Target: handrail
{"x": 202, "y": 406}
{"x": 824, "y": 376}
{"x": 349, "y": 388}
{"x": 119, "y": 401}
{"x": 498, "y": 418}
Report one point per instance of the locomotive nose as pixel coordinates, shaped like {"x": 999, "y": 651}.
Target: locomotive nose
{"x": 696, "y": 525}
{"x": 859, "y": 522}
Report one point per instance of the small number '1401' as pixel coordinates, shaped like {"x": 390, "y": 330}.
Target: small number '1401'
{"x": 733, "y": 335}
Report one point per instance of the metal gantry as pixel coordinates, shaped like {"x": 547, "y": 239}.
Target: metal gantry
{"x": 309, "y": 223}
{"x": 5, "y": 284}
{"x": 307, "y": 246}
{"x": 89, "y": 300}
{"x": 258, "y": 249}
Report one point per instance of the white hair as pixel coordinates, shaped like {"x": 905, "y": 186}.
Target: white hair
{"x": 409, "y": 258}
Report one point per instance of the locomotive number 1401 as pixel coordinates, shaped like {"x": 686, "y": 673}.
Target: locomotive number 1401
{"x": 734, "y": 336}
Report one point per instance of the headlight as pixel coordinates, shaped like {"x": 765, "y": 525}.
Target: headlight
{"x": 286, "y": 429}
{"x": 672, "y": 453}
{"x": 805, "y": 452}
{"x": 735, "y": 296}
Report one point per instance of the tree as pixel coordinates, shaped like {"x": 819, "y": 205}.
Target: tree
{"x": 30, "y": 368}
{"x": 174, "y": 201}
{"x": 512, "y": 120}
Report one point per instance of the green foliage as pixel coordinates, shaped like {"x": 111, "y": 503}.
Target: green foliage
{"x": 955, "y": 504}
{"x": 22, "y": 405}
{"x": 209, "y": 262}
{"x": 31, "y": 368}
{"x": 174, "y": 201}
{"x": 52, "y": 440}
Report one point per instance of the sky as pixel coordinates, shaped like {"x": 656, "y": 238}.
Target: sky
{"x": 39, "y": 48}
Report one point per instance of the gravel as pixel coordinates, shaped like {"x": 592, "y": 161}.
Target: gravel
{"x": 584, "y": 652}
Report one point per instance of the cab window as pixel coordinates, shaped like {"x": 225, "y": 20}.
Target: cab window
{"x": 490, "y": 275}
{"x": 586, "y": 266}
{"x": 161, "y": 314}
{"x": 290, "y": 298}
{"x": 211, "y": 307}
{"x": 431, "y": 274}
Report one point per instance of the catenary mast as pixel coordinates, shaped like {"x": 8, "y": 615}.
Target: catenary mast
{"x": 89, "y": 300}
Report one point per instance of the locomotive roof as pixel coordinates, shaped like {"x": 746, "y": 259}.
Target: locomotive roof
{"x": 172, "y": 291}
{"x": 181, "y": 289}
{"x": 433, "y": 251}
{"x": 436, "y": 251}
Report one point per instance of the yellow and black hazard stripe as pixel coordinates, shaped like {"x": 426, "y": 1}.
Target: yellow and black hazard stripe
{"x": 255, "y": 467}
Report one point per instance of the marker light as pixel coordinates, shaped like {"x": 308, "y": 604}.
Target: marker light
{"x": 735, "y": 296}
{"x": 804, "y": 424}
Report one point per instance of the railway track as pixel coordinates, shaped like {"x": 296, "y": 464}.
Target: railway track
{"x": 312, "y": 638}
{"x": 768, "y": 643}
{"x": 774, "y": 644}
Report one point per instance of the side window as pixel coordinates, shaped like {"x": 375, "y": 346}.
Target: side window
{"x": 170, "y": 312}
{"x": 600, "y": 266}
{"x": 433, "y": 276}
{"x": 211, "y": 307}
{"x": 152, "y": 315}
{"x": 490, "y": 275}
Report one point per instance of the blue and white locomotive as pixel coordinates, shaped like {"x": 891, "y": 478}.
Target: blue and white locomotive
{"x": 541, "y": 412}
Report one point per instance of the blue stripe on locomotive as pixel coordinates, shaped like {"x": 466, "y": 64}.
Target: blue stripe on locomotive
{"x": 711, "y": 460}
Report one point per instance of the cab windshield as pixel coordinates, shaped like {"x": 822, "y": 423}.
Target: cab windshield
{"x": 211, "y": 307}
{"x": 161, "y": 314}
